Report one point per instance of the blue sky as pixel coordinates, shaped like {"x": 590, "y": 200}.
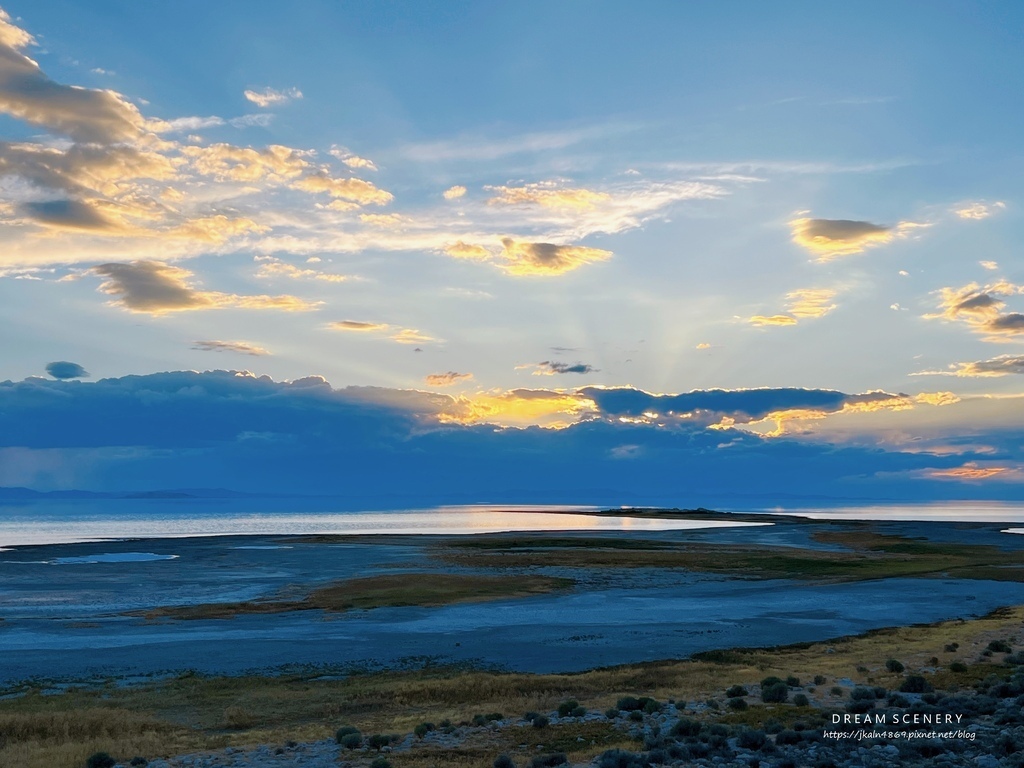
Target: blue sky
{"x": 516, "y": 207}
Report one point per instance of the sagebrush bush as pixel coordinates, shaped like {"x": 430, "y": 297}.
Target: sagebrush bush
{"x": 380, "y": 762}
{"x": 736, "y": 690}
{"x": 566, "y": 707}
{"x": 800, "y": 700}
{"x": 775, "y": 693}
{"x": 503, "y": 761}
{"x": 549, "y": 761}
{"x": 737, "y": 703}
{"x": 915, "y": 684}
{"x": 999, "y": 646}
{"x": 894, "y": 666}
{"x": 540, "y": 721}
{"x": 100, "y": 760}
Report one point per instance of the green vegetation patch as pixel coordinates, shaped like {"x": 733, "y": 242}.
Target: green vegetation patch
{"x": 393, "y": 590}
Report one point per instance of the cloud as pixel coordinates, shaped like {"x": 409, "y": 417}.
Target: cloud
{"x": 271, "y": 268}
{"x": 461, "y": 250}
{"x": 972, "y": 471}
{"x": 83, "y": 114}
{"x": 703, "y": 345}
{"x": 548, "y": 195}
{"x": 447, "y": 379}
{"x": 67, "y": 214}
{"x": 155, "y": 288}
{"x": 352, "y": 160}
{"x": 989, "y": 265}
{"x": 454, "y": 193}
{"x": 980, "y": 309}
{"x": 275, "y": 163}
{"x": 386, "y": 220}
{"x": 525, "y": 258}
{"x": 831, "y": 238}
{"x": 359, "y": 326}
{"x": 762, "y": 321}
{"x": 352, "y": 190}
{"x": 411, "y": 336}
{"x": 270, "y": 97}
{"x": 978, "y": 210}
{"x": 1001, "y": 365}
{"x": 550, "y": 368}
{"x": 64, "y": 370}
{"x": 810, "y": 302}
{"x": 242, "y": 347}
{"x": 237, "y": 430}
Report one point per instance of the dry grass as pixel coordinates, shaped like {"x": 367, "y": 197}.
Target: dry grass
{"x": 191, "y": 712}
{"x": 394, "y": 590}
{"x": 868, "y": 555}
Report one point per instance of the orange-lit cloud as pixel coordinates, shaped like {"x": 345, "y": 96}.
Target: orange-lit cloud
{"x": 761, "y": 321}
{"x": 270, "y": 268}
{"x": 1001, "y": 365}
{"x": 358, "y": 326}
{"x": 519, "y": 408}
{"x": 548, "y": 195}
{"x": 448, "y": 379}
{"x": 810, "y": 302}
{"x": 832, "y": 238}
{"x": 411, "y": 336}
{"x": 454, "y": 193}
{"x": 972, "y": 471}
{"x": 155, "y": 288}
{"x": 978, "y": 307}
{"x": 461, "y": 250}
{"x": 547, "y": 259}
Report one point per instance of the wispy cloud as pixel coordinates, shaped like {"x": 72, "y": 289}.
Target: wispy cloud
{"x": 269, "y": 97}
{"x": 241, "y": 347}
{"x": 552, "y": 368}
{"x": 448, "y": 379}
{"x": 978, "y": 210}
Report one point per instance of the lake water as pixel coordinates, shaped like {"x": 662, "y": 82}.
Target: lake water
{"x": 49, "y": 522}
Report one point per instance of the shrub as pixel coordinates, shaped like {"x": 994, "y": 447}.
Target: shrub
{"x": 651, "y": 706}
{"x": 503, "y": 761}
{"x": 738, "y": 704}
{"x": 344, "y": 731}
{"x": 611, "y": 713}
{"x": 380, "y": 762}
{"x": 915, "y": 684}
{"x": 750, "y": 739}
{"x": 775, "y": 693}
{"x": 100, "y": 760}
{"x": 378, "y": 741}
{"x": 819, "y": 679}
{"x": 880, "y": 692}
{"x": 628, "y": 703}
{"x": 999, "y": 646}
{"x": 862, "y": 694}
{"x": 736, "y": 690}
{"x": 567, "y": 707}
{"x": 636, "y": 716}
{"x": 620, "y": 758}
{"x": 540, "y": 721}
{"x": 549, "y": 761}
{"x": 835, "y": 690}
{"x": 771, "y": 681}
{"x": 951, "y": 647}
{"x": 860, "y": 706}
{"x": 351, "y": 740}
{"x": 957, "y": 666}
{"x": 531, "y": 716}
{"x": 787, "y": 737}
{"x": 793, "y": 682}
{"x": 579, "y": 712}
{"x": 933, "y": 661}
{"x": 138, "y": 762}
{"x": 423, "y": 729}
{"x": 801, "y": 700}
{"x": 685, "y": 728}
{"x": 894, "y": 666}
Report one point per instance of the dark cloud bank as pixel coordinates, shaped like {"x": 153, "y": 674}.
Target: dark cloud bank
{"x": 373, "y": 446}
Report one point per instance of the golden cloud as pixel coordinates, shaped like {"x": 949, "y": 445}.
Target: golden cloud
{"x": 520, "y": 408}
{"x": 274, "y": 268}
{"x": 448, "y": 379}
{"x": 761, "y": 321}
{"x": 411, "y": 336}
{"x": 461, "y": 250}
{"x": 972, "y": 471}
{"x": 454, "y": 193}
{"x": 525, "y": 258}
{"x": 359, "y": 326}
{"x": 352, "y": 190}
{"x": 831, "y": 238}
{"x": 155, "y": 288}
{"x": 242, "y": 347}
{"x": 245, "y": 164}
{"x": 548, "y": 195}
{"x": 810, "y": 302}
{"x": 268, "y": 97}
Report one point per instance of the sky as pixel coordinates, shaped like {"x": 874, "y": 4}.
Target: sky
{"x": 513, "y": 248}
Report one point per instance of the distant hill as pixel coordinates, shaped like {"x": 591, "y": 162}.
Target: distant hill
{"x": 28, "y": 494}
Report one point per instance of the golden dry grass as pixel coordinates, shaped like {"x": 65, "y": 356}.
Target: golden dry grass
{"x": 191, "y": 712}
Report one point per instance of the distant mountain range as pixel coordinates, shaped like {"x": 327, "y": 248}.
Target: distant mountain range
{"x": 28, "y": 494}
